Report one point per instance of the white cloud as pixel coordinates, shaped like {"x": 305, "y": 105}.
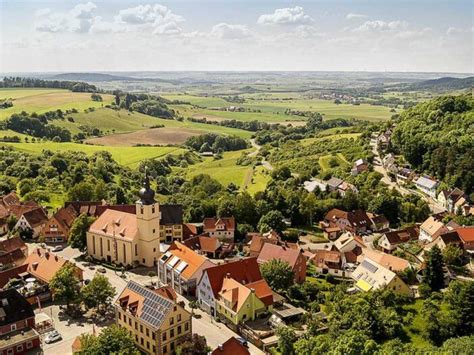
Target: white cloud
{"x": 285, "y": 16}
{"x": 381, "y": 26}
{"x": 226, "y": 31}
{"x": 355, "y": 16}
{"x": 453, "y": 31}
{"x": 156, "y": 15}
{"x": 79, "y": 19}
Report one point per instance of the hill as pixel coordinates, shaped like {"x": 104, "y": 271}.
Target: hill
{"x": 444, "y": 84}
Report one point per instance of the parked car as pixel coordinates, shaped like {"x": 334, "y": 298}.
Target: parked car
{"x": 101, "y": 270}
{"x": 58, "y": 248}
{"x": 243, "y": 341}
{"x": 52, "y": 337}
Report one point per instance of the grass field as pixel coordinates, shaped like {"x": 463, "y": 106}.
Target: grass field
{"x": 259, "y": 180}
{"x": 126, "y": 156}
{"x": 273, "y": 106}
{"x": 414, "y": 329}
{"x": 224, "y": 170}
{"x": 42, "y": 100}
{"x": 333, "y": 137}
{"x": 324, "y": 161}
{"x": 10, "y": 133}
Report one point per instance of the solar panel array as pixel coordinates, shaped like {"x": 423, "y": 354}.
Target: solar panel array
{"x": 371, "y": 267}
{"x": 155, "y": 307}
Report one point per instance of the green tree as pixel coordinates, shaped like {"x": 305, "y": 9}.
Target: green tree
{"x": 430, "y": 313}
{"x": 65, "y": 285}
{"x": 83, "y": 191}
{"x": 111, "y": 340}
{"x": 192, "y": 345}
{"x": 452, "y": 255}
{"x": 460, "y": 299}
{"x": 286, "y": 340}
{"x": 278, "y": 274}
{"x": 272, "y": 220}
{"x": 98, "y": 293}
{"x": 308, "y": 207}
{"x": 461, "y": 345}
{"x": 433, "y": 274}
{"x": 77, "y": 235}
{"x": 11, "y": 222}
{"x": 353, "y": 342}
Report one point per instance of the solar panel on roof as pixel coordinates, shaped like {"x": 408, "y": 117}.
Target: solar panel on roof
{"x": 371, "y": 267}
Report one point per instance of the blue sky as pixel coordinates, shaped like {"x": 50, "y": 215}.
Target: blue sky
{"x": 381, "y": 35}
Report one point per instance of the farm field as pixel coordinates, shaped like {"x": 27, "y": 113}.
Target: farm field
{"x": 309, "y": 141}
{"x": 10, "y": 133}
{"x": 273, "y": 106}
{"x": 224, "y": 170}
{"x": 153, "y": 136}
{"x": 43, "y": 100}
{"x": 126, "y": 156}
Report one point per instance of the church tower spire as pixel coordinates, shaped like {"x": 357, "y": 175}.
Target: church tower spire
{"x": 146, "y": 193}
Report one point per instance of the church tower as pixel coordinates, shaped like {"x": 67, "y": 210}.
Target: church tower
{"x": 148, "y": 223}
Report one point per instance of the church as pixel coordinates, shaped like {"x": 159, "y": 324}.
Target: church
{"x": 133, "y": 235}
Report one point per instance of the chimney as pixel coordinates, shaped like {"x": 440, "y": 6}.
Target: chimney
{"x": 221, "y": 347}
{"x": 46, "y": 254}
{"x": 252, "y": 290}
{"x": 34, "y": 265}
{"x": 227, "y": 275}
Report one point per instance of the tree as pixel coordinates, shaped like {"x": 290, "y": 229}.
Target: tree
{"x": 98, "y": 293}
{"x": 271, "y": 220}
{"x": 286, "y": 340}
{"x": 282, "y": 173}
{"x": 278, "y": 274}
{"x": 460, "y": 298}
{"x": 120, "y": 198}
{"x": 308, "y": 207}
{"x": 11, "y": 222}
{"x": 77, "y": 235}
{"x": 192, "y": 345}
{"x": 193, "y": 305}
{"x": 65, "y": 285}
{"x": 431, "y": 317}
{"x": 433, "y": 274}
{"x": 452, "y": 255}
{"x": 461, "y": 345}
{"x": 83, "y": 191}
{"x": 111, "y": 340}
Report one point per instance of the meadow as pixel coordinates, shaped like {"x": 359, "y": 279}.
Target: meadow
{"x": 43, "y": 100}
{"x": 126, "y": 156}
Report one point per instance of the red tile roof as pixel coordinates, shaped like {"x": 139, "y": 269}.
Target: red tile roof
{"x": 262, "y": 291}
{"x": 203, "y": 243}
{"x": 270, "y": 251}
{"x": 210, "y": 224}
{"x": 466, "y": 234}
{"x": 231, "y": 347}
{"x": 65, "y": 216}
{"x": 12, "y": 244}
{"x": 244, "y": 271}
{"x": 36, "y": 217}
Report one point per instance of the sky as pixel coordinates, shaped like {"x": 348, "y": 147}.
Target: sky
{"x": 236, "y": 35}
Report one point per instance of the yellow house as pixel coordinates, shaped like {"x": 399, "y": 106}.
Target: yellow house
{"x": 238, "y": 303}
{"x": 125, "y": 238}
{"x": 370, "y": 275}
{"x": 157, "y": 323}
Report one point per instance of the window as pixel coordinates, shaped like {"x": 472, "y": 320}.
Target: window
{"x": 179, "y": 329}
{"x": 141, "y": 328}
{"x": 164, "y": 336}
{"x": 154, "y": 349}
{"x": 171, "y": 321}
{"x": 125, "y": 318}
{"x": 136, "y": 325}
{"x": 10, "y": 351}
{"x": 164, "y": 349}
{"x": 171, "y": 333}
{"x": 186, "y": 326}
{"x": 172, "y": 346}
{"x": 13, "y": 327}
{"x": 141, "y": 209}
{"x": 148, "y": 345}
{"x": 108, "y": 244}
{"x": 153, "y": 230}
{"x": 29, "y": 345}
{"x": 147, "y": 332}
{"x": 153, "y": 211}
{"x": 136, "y": 249}
{"x": 130, "y": 321}
{"x": 141, "y": 341}
{"x": 153, "y": 335}
{"x": 19, "y": 348}
{"x": 120, "y": 315}
{"x": 179, "y": 317}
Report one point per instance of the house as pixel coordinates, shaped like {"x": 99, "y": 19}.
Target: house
{"x": 238, "y": 303}
{"x": 12, "y": 251}
{"x": 333, "y": 183}
{"x": 132, "y": 235}
{"x": 349, "y": 242}
{"x": 312, "y": 184}
{"x": 360, "y": 165}
{"x": 388, "y": 160}
{"x": 329, "y": 262}
{"x": 210, "y": 247}
{"x": 453, "y": 200}
{"x": 427, "y": 185}
{"x": 10, "y": 205}
{"x": 357, "y": 221}
{"x": 222, "y": 228}
{"x": 370, "y": 275}
{"x": 231, "y": 347}
{"x": 89, "y": 208}
{"x": 181, "y": 268}
{"x": 467, "y": 237}
{"x": 404, "y": 175}
{"x": 244, "y": 271}
{"x": 445, "y": 239}
{"x": 294, "y": 257}
{"x": 191, "y": 230}
{"x": 156, "y": 323}
{"x": 258, "y": 240}
{"x": 431, "y": 228}
{"x": 391, "y": 240}
{"x": 331, "y": 232}
{"x": 383, "y": 140}
{"x": 391, "y": 262}
{"x": 17, "y": 324}
{"x": 33, "y": 220}
{"x": 57, "y": 228}
{"x": 345, "y": 187}
{"x": 43, "y": 265}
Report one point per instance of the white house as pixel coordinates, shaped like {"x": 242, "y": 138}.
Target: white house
{"x": 427, "y": 185}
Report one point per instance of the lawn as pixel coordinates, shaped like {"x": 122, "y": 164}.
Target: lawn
{"x": 224, "y": 170}
{"x": 259, "y": 180}
{"x": 414, "y": 329}
{"x": 42, "y": 100}
{"x": 126, "y": 156}
{"x": 324, "y": 161}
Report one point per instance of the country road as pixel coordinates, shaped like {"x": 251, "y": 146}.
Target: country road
{"x": 257, "y": 147}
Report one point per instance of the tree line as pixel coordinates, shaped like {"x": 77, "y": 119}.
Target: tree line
{"x": 19, "y": 82}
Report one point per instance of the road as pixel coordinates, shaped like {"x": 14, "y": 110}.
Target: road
{"x": 257, "y": 147}
{"x": 215, "y": 333}
{"x": 435, "y": 207}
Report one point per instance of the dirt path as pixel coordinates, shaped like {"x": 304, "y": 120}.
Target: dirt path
{"x": 257, "y": 147}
